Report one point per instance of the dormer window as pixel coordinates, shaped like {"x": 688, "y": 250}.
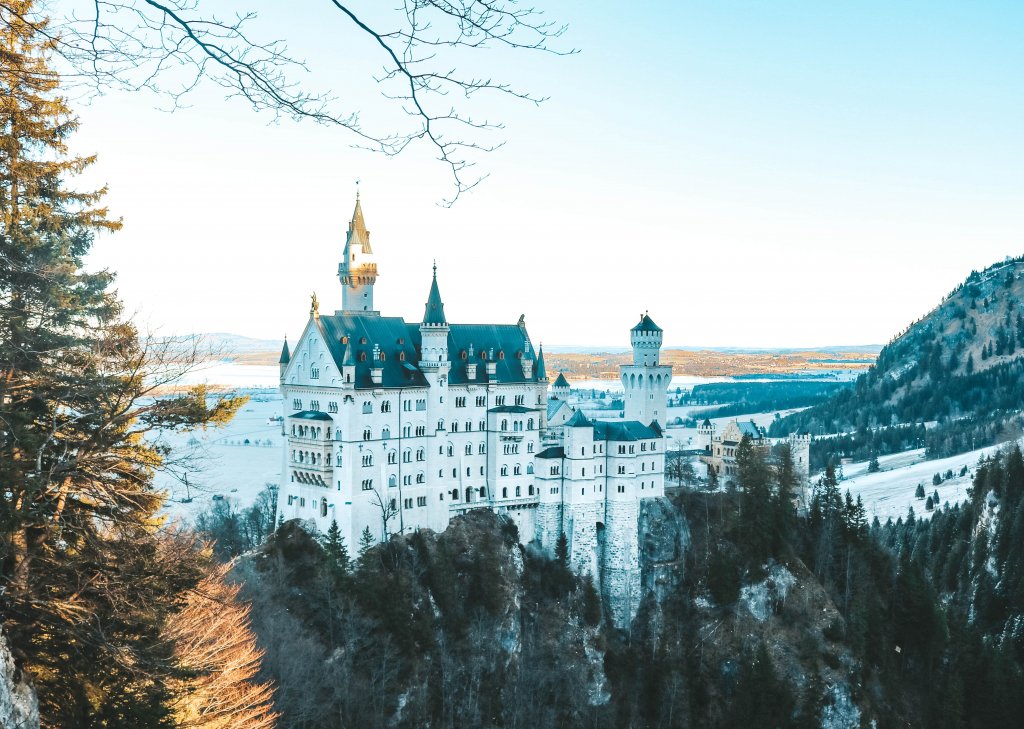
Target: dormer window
{"x": 463, "y": 355}
{"x": 362, "y": 340}
{"x": 401, "y": 356}
{"x": 501, "y": 354}
{"x": 362, "y": 356}
{"x": 344, "y": 339}
{"x": 401, "y": 340}
{"x": 383, "y": 356}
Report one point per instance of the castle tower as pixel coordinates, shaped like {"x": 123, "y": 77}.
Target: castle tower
{"x": 358, "y": 271}
{"x": 285, "y": 358}
{"x": 800, "y": 448}
{"x": 706, "y": 435}
{"x": 560, "y": 389}
{"x": 645, "y": 382}
{"x": 434, "y": 333}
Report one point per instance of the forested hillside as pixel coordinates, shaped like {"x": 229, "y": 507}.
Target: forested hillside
{"x": 753, "y": 617}
{"x": 960, "y": 366}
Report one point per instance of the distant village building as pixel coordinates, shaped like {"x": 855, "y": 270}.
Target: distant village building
{"x": 393, "y": 426}
{"x": 719, "y": 449}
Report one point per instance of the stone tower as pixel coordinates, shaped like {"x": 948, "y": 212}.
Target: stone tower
{"x": 645, "y": 382}
{"x": 358, "y": 271}
{"x": 434, "y": 333}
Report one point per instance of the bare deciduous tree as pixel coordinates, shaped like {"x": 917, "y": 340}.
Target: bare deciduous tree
{"x": 423, "y": 47}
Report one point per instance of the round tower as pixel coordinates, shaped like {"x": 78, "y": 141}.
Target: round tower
{"x": 645, "y": 382}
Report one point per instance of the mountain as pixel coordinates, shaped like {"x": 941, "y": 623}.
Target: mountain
{"x": 959, "y": 368}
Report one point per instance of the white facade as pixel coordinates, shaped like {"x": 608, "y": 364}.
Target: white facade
{"x": 393, "y": 426}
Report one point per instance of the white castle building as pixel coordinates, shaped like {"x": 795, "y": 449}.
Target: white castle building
{"x": 393, "y": 426}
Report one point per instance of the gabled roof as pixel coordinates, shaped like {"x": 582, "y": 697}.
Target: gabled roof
{"x": 623, "y": 430}
{"x": 399, "y": 343}
{"x": 749, "y": 428}
{"x": 286, "y": 356}
{"x": 579, "y": 420}
{"x": 561, "y": 381}
{"x": 646, "y": 325}
{"x": 434, "y": 313}
{"x": 554, "y": 405}
{"x": 310, "y": 415}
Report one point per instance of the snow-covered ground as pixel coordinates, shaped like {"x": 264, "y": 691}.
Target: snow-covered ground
{"x": 221, "y": 462}
{"x": 889, "y": 493}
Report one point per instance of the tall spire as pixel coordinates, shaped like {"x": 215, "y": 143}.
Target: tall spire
{"x": 286, "y": 356}
{"x": 542, "y": 375}
{"x": 357, "y": 231}
{"x": 358, "y": 269}
{"x": 434, "y": 313}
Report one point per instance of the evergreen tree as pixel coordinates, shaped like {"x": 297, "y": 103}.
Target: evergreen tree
{"x": 919, "y": 491}
{"x": 873, "y": 465}
{"x": 562, "y": 550}
{"x": 366, "y": 543}
{"x": 334, "y": 549}
{"x": 87, "y": 578}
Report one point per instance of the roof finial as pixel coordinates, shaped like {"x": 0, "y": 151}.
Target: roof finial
{"x": 357, "y": 188}
{"x": 435, "y": 268}
{"x": 314, "y": 306}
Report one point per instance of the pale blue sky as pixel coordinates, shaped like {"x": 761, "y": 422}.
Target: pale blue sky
{"x": 754, "y": 174}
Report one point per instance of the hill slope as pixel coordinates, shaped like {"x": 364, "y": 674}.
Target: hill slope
{"x": 961, "y": 365}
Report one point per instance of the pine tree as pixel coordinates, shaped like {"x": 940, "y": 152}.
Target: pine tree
{"x": 366, "y": 543}
{"x": 919, "y": 491}
{"x": 87, "y": 584}
{"x": 873, "y": 465}
{"x": 336, "y": 552}
{"x": 562, "y": 550}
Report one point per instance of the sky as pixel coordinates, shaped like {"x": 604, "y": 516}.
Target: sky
{"x": 753, "y": 174}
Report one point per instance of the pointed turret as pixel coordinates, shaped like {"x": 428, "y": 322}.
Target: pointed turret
{"x": 284, "y": 359}
{"x": 434, "y": 313}
{"x": 542, "y": 375}
{"x": 358, "y": 271}
{"x": 434, "y": 333}
{"x": 561, "y": 381}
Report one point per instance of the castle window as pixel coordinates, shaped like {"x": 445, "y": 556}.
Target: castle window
{"x": 455, "y": 426}
{"x": 408, "y": 503}
{"x": 296, "y": 404}
{"x": 517, "y": 470}
{"x": 483, "y": 492}
{"x": 529, "y": 424}
{"x": 529, "y": 447}
{"x": 501, "y": 354}
{"x": 368, "y": 459}
{"x": 440, "y": 424}
{"x": 421, "y": 501}
{"x": 407, "y": 431}
{"x": 460, "y": 402}
{"x": 385, "y": 433}
{"x": 344, "y": 340}
{"x": 385, "y": 407}
{"x": 367, "y": 484}
{"x": 621, "y": 489}
{"x": 367, "y": 407}
{"x": 529, "y": 468}
{"x": 530, "y": 489}
{"x": 469, "y": 425}
{"x": 382, "y": 356}
{"x": 643, "y": 447}
{"x": 367, "y": 435}
{"x": 504, "y": 492}
{"x": 451, "y": 450}
{"x": 469, "y": 449}
{"x": 392, "y": 481}
{"x": 421, "y": 430}
{"x": 407, "y": 455}
{"x": 314, "y": 374}
{"x": 332, "y": 406}
{"x": 499, "y": 400}
{"x": 483, "y": 425}
{"x": 504, "y": 425}
{"x": 463, "y": 355}
{"x": 421, "y": 454}
{"x": 622, "y": 470}
{"x": 482, "y": 448}
{"x": 323, "y": 507}
{"x": 481, "y": 400}
{"x": 401, "y": 356}
{"x": 583, "y": 472}
{"x": 504, "y": 470}
{"x": 455, "y": 494}
{"x": 420, "y": 478}
{"x": 362, "y": 340}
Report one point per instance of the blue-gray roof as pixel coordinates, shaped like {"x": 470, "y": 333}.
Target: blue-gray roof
{"x": 749, "y": 428}
{"x": 541, "y": 372}
{"x": 285, "y": 355}
{"x": 579, "y": 420}
{"x": 623, "y": 430}
{"x": 561, "y": 381}
{"x": 434, "y": 313}
{"x": 553, "y": 452}
{"x": 646, "y": 325}
{"x": 553, "y": 405}
{"x": 511, "y": 409}
{"x": 399, "y": 344}
{"x": 310, "y": 415}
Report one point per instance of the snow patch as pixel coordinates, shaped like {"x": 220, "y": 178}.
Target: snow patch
{"x": 840, "y": 712}
{"x": 761, "y": 597}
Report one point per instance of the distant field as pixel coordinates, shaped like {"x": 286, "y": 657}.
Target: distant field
{"x": 703, "y": 363}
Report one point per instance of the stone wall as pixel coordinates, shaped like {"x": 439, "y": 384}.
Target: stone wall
{"x": 19, "y": 708}
{"x": 620, "y": 579}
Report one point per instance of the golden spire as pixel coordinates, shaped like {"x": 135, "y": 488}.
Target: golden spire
{"x": 357, "y": 232}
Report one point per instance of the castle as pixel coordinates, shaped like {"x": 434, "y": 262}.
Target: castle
{"x": 392, "y": 426}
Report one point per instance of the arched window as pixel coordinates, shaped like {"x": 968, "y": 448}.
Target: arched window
{"x": 392, "y": 480}
{"x": 504, "y": 425}
{"x": 529, "y": 468}
{"x": 451, "y": 450}
{"x": 368, "y": 459}
{"x": 392, "y": 457}
{"x": 504, "y": 493}
{"x": 323, "y": 507}
{"x": 367, "y": 435}
{"x": 362, "y": 356}
{"x": 407, "y": 455}
{"x": 440, "y": 424}
{"x": 469, "y": 425}
{"x": 421, "y": 454}
{"x": 367, "y": 407}
{"x": 504, "y": 470}
{"x": 385, "y": 407}
{"x": 385, "y": 433}
{"x": 519, "y": 490}
{"x": 530, "y": 490}
{"x": 469, "y": 449}
{"x": 517, "y": 470}
{"x": 529, "y": 447}
{"x": 420, "y": 478}
{"x": 529, "y": 424}
{"x": 483, "y": 492}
